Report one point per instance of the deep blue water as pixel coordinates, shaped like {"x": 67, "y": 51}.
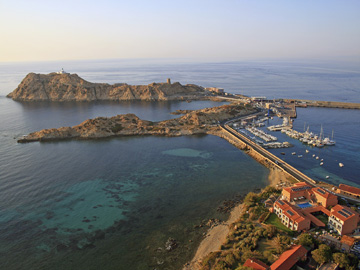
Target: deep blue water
{"x": 109, "y": 204}
{"x": 346, "y": 126}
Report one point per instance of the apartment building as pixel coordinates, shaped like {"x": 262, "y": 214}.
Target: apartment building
{"x": 343, "y": 219}
{"x": 290, "y": 216}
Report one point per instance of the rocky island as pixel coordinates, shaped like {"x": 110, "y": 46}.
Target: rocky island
{"x": 70, "y": 87}
{"x": 203, "y": 121}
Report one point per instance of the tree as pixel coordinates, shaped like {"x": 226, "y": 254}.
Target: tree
{"x": 251, "y": 254}
{"x": 341, "y": 259}
{"x": 269, "y": 256}
{"x": 251, "y": 198}
{"x": 241, "y": 267}
{"x": 322, "y": 254}
{"x": 279, "y": 244}
{"x": 270, "y": 231}
{"x": 306, "y": 239}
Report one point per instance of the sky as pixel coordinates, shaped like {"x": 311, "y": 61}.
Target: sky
{"x": 42, "y": 30}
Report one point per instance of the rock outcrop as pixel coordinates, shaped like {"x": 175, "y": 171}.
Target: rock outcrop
{"x": 203, "y": 121}
{"x": 70, "y": 87}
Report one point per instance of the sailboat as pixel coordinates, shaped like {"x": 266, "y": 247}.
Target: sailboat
{"x": 319, "y": 142}
{"x": 327, "y": 140}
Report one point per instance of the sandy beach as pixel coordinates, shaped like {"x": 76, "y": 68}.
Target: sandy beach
{"x": 216, "y": 236}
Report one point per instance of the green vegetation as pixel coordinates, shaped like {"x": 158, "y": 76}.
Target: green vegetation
{"x": 248, "y": 238}
{"x": 323, "y": 218}
{"x": 116, "y": 128}
{"x": 306, "y": 239}
{"x": 341, "y": 259}
{"x": 275, "y": 221}
{"x": 322, "y": 254}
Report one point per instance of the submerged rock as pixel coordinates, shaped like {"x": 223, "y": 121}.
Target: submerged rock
{"x": 170, "y": 244}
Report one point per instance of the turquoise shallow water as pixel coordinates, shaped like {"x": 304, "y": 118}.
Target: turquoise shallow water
{"x": 100, "y": 197}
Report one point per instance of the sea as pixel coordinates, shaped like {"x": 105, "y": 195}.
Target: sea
{"x": 118, "y": 203}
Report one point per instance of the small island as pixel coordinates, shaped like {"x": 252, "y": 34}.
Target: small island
{"x": 63, "y": 86}
{"x": 203, "y": 121}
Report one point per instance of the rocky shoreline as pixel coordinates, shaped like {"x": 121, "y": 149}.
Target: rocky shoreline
{"x": 70, "y": 87}
{"x": 203, "y": 121}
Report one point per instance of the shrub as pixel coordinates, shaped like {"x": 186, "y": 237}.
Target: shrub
{"x": 116, "y": 128}
{"x": 322, "y": 255}
{"x": 306, "y": 239}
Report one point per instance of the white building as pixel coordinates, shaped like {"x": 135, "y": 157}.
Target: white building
{"x": 62, "y": 71}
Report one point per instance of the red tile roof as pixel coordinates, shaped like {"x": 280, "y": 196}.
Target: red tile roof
{"x": 349, "y": 189}
{"x": 335, "y": 211}
{"x": 256, "y": 264}
{"x": 323, "y": 193}
{"x": 289, "y": 258}
{"x": 347, "y": 240}
{"x": 296, "y": 215}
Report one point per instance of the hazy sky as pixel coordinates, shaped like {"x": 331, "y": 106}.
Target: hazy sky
{"x": 195, "y": 29}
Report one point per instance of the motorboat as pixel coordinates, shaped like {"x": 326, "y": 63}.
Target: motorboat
{"x": 341, "y": 165}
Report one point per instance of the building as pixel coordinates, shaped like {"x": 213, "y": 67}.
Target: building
{"x": 256, "y": 264}
{"x": 349, "y": 191}
{"x": 62, "y": 71}
{"x": 270, "y": 202}
{"x": 290, "y": 216}
{"x": 297, "y": 191}
{"x": 343, "y": 219}
{"x": 323, "y": 197}
{"x": 289, "y": 258}
{"x": 219, "y": 91}
{"x": 168, "y": 81}
{"x": 303, "y": 191}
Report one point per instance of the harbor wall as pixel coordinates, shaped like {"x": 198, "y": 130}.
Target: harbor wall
{"x": 241, "y": 144}
{"x": 325, "y": 104}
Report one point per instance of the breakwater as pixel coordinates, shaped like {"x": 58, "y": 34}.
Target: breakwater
{"x": 261, "y": 155}
{"x": 325, "y": 104}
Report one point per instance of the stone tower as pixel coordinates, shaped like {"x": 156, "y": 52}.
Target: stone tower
{"x": 168, "y": 81}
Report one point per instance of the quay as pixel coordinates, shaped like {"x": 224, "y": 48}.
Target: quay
{"x": 325, "y": 104}
{"x": 267, "y": 158}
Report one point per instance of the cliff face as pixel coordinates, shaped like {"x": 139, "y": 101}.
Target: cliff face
{"x": 70, "y": 87}
{"x": 195, "y": 122}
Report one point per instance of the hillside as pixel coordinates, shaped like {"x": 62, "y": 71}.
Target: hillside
{"x": 70, "y": 87}
{"x": 203, "y": 121}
